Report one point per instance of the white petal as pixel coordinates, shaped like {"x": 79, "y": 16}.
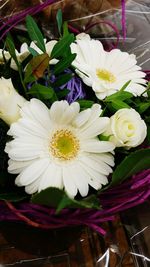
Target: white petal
{"x": 49, "y": 46}
{"x": 99, "y": 166}
{"x": 80, "y": 178}
{"x": 16, "y": 167}
{"x": 95, "y": 114}
{"x": 82, "y": 118}
{"x": 23, "y": 154}
{"x": 76, "y": 107}
{"x": 69, "y": 185}
{"x": 32, "y": 172}
{"x": 105, "y": 157}
{"x": 27, "y": 127}
{"x": 33, "y": 187}
{"x": 96, "y": 177}
{"x": 24, "y": 48}
{"x": 36, "y": 110}
{"x": 68, "y": 115}
{"x": 52, "y": 177}
{"x": 97, "y": 146}
{"x": 57, "y": 109}
{"x": 97, "y": 127}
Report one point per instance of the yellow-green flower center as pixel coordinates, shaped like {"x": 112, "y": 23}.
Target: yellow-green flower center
{"x": 105, "y": 75}
{"x": 64, "y": 145}
{"x": 130, "y": 130}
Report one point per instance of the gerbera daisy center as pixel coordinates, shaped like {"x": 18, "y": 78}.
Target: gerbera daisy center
{"x": 64, "y": 145}
{"x": 105, "y": 75}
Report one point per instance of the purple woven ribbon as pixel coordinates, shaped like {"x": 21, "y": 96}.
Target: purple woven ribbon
{"x": 132, "y": 192}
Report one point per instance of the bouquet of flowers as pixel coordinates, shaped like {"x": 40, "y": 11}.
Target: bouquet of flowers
{"x": 75, "y": 130}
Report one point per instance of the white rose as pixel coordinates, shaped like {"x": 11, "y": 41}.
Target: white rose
{"x": 10, "y": 102}
{"x": 127, "y": 129}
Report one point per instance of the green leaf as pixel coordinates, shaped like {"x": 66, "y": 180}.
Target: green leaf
{"x": 85, "y": 103}
{"x": 60, "y": 48}
{"x": 57, "y": 198}
{"x": 63, "y": 64}
{"x": 11, "y": 48}
{"x": 63, "y": 79}
{"x": 125, "y": 85}
{"x": 148, "y": 135}
{"x": 37, "y": 66}
{"x": 65, "y": 29}
{"x": 62, "y": 93}
{"x": 33, "y": 52}
{"x": 142, "y": 107}
{"x": 59, "y": 20}
{"x": 135, "y": 162}
{"x": 41, "y": 91}
{"x": 103, "y": 137}
{"x": 35, "y": 33}
{"x": 121, "y": 95}
{"x": 118, "y": 104}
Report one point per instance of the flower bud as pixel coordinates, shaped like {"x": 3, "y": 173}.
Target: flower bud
{"x": 10, "y": 102}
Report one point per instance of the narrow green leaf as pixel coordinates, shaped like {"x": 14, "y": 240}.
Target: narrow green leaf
{"x": 63, "y": 64}
{"x": 148, "y": 135}
{"x": 62, "y": 45}
{"x": 33, "y": 52}
{"x": 125, "y": 85}
{"x": 65, "y": 29}
{"x": 142, "y": 107}
{"x": 133, "y": 163}
{"x": 121, "y": 95}
{"x": 59, "y": 20}
{"x": 118, "y": 104}
{"x": 35, "y": 33}
{"x": 41, "y": 91}
{"x": 11, "y": 48}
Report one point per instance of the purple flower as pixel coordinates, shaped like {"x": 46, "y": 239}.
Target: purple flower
{"x": 75, "y": 87}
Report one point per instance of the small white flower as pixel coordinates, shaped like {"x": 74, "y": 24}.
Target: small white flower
{"x": 24, "y": 52}
{"x": 10, "y": 101}
{"x": 106, "y": 72}
{"x": 127, "y": 129}
{"x": 3, "y": 54}
{"x": 60, "y": 148}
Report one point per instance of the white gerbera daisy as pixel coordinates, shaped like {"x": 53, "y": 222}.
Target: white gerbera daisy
{"x": 106, "y": 72}
{"x": 59, "y": 148}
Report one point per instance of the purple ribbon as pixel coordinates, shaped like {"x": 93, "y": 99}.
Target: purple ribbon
{"x": 123, "y": 19}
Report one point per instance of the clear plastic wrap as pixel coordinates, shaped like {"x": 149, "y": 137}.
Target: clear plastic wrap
{"x": 127, "y": 242}
{"x": 83, "y": 13}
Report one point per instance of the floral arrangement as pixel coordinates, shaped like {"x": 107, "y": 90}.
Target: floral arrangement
{"x": 74, "y": 130}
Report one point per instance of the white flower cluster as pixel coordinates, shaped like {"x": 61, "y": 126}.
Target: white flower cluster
{"x": 55, "y": 147}
{"x": 24, "y": 53}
